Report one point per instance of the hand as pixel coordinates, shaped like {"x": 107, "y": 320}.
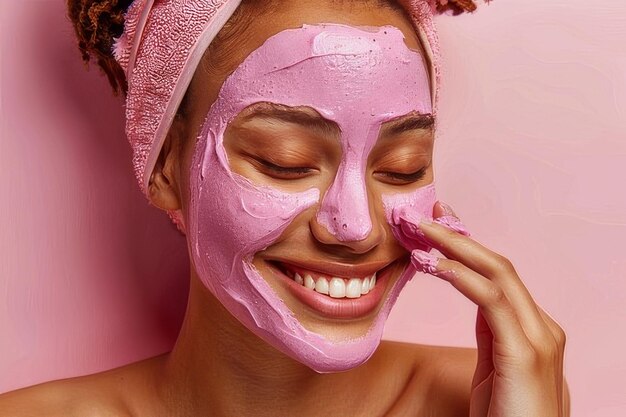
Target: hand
{"x": 520, "y": 347}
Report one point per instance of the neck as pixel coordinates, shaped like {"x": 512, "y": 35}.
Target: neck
{"x": 218, "y": 367}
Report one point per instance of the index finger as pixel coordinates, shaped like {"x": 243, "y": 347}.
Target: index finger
{"x": 462, "y": 248}
{"x": 492, "y": 266}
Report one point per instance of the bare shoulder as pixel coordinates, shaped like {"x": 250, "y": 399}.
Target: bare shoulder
{"x": 70, "y": 397}
{"x": 104, "y": 394}
{"x": 441, "y": 378}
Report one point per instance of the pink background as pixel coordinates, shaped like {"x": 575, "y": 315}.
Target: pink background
{"x": 532, "y": 156}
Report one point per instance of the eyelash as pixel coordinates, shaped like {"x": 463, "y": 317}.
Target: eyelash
{"x": 285, "y": 170}
{"x": 406, "y": 178}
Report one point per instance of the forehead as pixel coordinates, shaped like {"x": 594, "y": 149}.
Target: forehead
{"x": 343, "y": 72}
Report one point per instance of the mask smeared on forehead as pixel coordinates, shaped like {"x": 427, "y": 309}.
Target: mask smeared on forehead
{"x": 357, "y": 77}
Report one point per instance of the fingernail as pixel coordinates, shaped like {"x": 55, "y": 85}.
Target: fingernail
{"x": 447, "y": 210}
{"x": 424, "y": 261}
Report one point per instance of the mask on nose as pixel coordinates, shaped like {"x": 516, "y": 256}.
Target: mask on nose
{"x": 358, "y": 78}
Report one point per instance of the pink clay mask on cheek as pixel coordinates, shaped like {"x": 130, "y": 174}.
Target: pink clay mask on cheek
{"x": 359, "y": 78}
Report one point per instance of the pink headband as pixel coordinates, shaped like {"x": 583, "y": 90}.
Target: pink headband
{"x": 163, "y": 43}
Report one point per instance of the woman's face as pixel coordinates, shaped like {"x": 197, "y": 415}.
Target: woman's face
{"x": 323, "y": 150}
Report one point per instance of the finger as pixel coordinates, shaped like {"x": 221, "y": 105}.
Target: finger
{"x": 463, "y": 249}
{"x": 405, "y": 225}
{"x": 492, "y": 266}
{"x": 491, "y": 298}
{"x": 558, "y": 352}
{"x": 444, "y": 215}
{"x": 557, "y": 331}
{"x": 452, "y": 223}
{"x": 484, "y": 342}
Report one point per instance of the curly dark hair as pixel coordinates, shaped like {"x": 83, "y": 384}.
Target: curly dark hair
{"x": 97, "y": 22}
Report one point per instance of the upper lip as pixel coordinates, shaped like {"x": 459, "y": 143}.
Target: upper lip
{"x": 334, "y": 269}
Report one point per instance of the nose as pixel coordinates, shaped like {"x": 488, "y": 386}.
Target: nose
{"x": 344, "y": 214}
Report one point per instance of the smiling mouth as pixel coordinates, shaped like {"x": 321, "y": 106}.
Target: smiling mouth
{"x": 340, "y": 291}
{"x": 328, "y": 284}
{"x": 333, "y": 285}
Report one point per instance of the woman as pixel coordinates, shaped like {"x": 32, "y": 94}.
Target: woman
{"x": 298, "y": 164}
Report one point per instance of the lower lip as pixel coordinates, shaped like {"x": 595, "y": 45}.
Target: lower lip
{"x": 339, "y": 308}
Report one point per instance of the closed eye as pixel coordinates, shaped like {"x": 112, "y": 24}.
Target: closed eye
{"x": 398, "y": 178}
{"x": 286, "y": 172}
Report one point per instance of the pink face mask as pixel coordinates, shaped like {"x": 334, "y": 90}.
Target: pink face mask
{"x": 359, "y": 78}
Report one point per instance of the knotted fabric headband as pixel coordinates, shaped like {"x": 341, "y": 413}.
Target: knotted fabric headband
{"x": 161, "y": 46}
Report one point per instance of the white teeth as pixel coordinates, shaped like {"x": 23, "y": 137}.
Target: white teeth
{"x": 321, "y": 286}
{"x": 372, "y": 281}
{"x": 337, "y": 288}
{"x": 365, "y": 286}
{"x": 353, "y": 289}
{"x": 308, "y": 282}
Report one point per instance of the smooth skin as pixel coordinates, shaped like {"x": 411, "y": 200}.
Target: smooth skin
{"x": 219, "y": 368}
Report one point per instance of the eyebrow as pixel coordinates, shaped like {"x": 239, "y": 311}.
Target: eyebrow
{"x": 413, "y": 121}
{"x": 408, "y": 123}
{"x": 293, "y": 115}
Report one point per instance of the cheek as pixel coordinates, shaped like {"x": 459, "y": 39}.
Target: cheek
{"x": 231, "y": 218}
{"x": 413, "y": 206}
